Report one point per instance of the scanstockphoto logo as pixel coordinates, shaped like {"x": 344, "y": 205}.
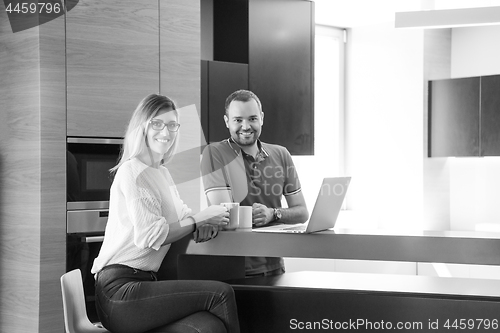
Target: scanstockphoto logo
{"x": 337, "y": 189}
{"x": 25, "y": 15}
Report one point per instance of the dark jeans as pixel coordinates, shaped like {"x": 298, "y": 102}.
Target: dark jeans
{"x": 130, "y": 300}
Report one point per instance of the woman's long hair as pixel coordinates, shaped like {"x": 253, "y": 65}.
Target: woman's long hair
{"x": 135, "y": 137}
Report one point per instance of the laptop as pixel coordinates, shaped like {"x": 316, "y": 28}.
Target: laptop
{"x": 325, "y": 212}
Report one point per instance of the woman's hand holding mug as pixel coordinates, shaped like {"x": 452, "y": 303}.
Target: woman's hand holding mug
{"x": 215, "y": 215}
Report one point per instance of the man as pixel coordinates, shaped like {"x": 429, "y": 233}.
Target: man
{"x": 243, "y": 169}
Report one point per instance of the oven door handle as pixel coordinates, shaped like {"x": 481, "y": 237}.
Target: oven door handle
{"x": 93, "y": 239}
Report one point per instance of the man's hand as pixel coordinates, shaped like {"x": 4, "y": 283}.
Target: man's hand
{"x": 261, "y": 215}
{"x": 205, "y": 232}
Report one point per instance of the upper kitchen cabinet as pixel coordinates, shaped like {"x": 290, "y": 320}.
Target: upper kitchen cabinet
{"x": 454, "y": 117}
{"x": 280, "y": 69}
{"x": 490, "y": 115}
{"x": 180, "y": 51}
{"x": 230, "y": 29}
{"x": 464, "y": 117}
{"x": 222, "y": 78}
{"x": 112, "y": 63}
{"x": 275, "y": 40}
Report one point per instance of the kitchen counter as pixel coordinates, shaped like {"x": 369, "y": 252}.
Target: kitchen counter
{"x": 223, "y": 257}
{"x": 424, "y": 246}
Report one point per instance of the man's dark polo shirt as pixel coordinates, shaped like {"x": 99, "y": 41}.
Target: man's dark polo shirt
{"x": 264, "y": 179}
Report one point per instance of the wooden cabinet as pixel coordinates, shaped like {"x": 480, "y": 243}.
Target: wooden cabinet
{"x": 275, "y": 38}
{"x": 180, "y": 51}
{"x": 112, "y": 63}
{"x": 464, "y": 117}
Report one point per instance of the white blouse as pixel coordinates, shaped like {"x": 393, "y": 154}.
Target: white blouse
{"x": 143, "y": 202}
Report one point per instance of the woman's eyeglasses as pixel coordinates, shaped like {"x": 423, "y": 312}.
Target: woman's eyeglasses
{"x": 159, "y": 125}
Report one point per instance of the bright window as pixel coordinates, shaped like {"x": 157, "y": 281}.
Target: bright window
{"x": 328, "y": 160}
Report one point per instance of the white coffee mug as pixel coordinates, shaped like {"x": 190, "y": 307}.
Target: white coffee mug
{"x": 234, "y": 214}
{"x": 245, "y": 218}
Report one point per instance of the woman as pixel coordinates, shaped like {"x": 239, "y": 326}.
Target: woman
{"x": 145, "y": 216}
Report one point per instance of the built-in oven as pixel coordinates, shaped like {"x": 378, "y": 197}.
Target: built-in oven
{"x": 88, "y": 181}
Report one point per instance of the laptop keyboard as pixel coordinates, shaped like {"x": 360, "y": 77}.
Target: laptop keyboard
{"x": 297, "y": 227}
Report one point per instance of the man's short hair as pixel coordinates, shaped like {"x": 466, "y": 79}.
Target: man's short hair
{"x": 242, "y": 96}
